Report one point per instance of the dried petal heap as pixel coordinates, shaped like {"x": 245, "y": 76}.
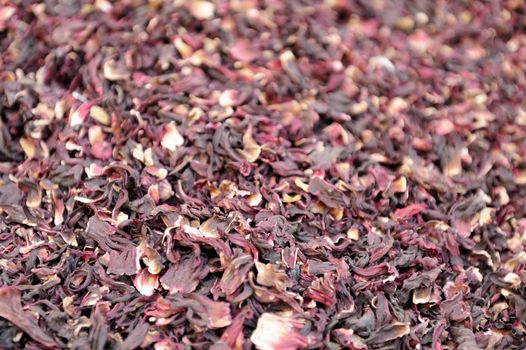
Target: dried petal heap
{"x": 273, "y": 175}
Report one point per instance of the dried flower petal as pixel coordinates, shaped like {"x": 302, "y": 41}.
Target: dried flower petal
{"x": 28, "y": 145}
{"x": 251, "y": 150}
{"x": 422, "y": 296}
{"x": 277, "y": 332}
{"x": 171, "y": 138}
{"x": 269, "y": 276}
{"x": 228, "y": 98}
{"x": 146, "y": 283}
{"x": 100, "y": 115}
{"x": 6, "y": 12}
{"x": 114, "y": 71}
{"x": 202, "y": 9}
{"x": 218, "y": 313}
{"x": 11, "y": 310}
{"x": 288, "y": 62}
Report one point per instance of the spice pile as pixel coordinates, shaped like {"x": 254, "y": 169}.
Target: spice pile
{"x": 262, "y": 174}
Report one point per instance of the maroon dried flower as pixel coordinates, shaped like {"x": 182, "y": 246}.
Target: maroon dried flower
{"x": 271, "y": 175}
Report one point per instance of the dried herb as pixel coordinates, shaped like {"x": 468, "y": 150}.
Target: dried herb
{"x": 262, "y": 174}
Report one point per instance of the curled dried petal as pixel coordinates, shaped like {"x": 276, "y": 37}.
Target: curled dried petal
{"x": 114, "y": 71}
{"x": 270, "y": 276}
{"x": 28, "y": 146}
{"x": 171, "y": 138}
{"x": 275, "y": 332}
{"x": 146, "y": 283}
{"x": 251, "y": 150}
{"x": 100, "y": 115}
